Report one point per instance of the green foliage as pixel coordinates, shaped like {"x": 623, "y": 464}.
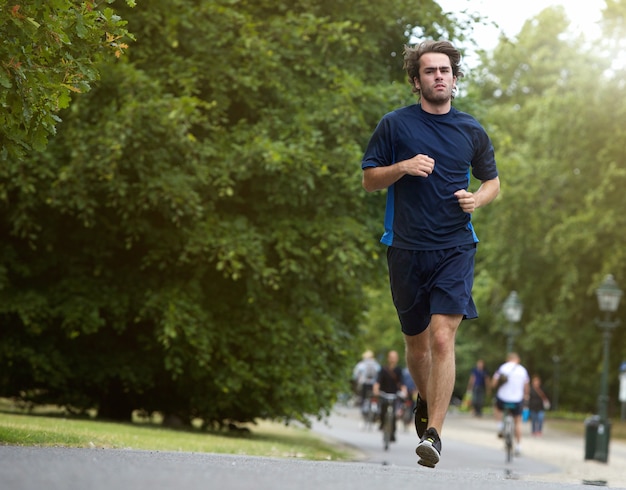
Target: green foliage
{"x": 555, "y": 113}
{"x": 195, "y": 239}
{"x": 553, "y": 104}
{"x": 49, "y": 51}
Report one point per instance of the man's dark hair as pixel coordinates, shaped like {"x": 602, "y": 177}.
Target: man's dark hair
{"x": 413, "y": 54}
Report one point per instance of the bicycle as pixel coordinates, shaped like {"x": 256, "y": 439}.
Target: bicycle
{"x": 369, "y": 410}
{"x": 388, "y": 417}
{"x": 508, "y": 429}
{"x": 406, "y": 412}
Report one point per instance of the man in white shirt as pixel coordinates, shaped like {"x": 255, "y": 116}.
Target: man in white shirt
{"x": 511, "y": 393}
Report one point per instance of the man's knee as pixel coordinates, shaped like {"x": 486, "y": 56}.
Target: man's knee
{"x": 443, "y": 332}
{"x": 417, "y": 348}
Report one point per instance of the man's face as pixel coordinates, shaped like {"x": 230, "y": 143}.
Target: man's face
{"x": 393, "y": 358}
{"x": 436, "y": 78}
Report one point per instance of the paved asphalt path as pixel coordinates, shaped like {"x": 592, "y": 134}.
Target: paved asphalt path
{"x": 25, "y": 468}
{"x": 462, "y": 466}
{"x": 345, "y": 425}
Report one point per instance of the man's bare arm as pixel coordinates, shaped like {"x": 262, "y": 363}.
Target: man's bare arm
{"x": 487, "y": 192}
{"x": 378, "y": 178}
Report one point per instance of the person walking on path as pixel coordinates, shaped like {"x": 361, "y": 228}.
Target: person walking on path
{"x": 538, "y": 403}
{"x": 478, "y": 386}
{"x": 422, "y": 155}
{"x": 513, "y": 389}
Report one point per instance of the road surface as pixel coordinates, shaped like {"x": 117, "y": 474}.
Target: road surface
{"x": 472, "y": 459}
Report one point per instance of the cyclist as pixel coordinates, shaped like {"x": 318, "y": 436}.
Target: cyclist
{"x": 364, "y": 375}
{"x": 390, "y": 380}
{"x": 513, "y": 387}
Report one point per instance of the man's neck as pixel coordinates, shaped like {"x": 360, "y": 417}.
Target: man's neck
{"x": 436, "y": 109}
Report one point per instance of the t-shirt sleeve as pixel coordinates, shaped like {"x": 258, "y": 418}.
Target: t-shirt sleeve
{"x": 484, "y": 162}
{"x": 379, "y": 151}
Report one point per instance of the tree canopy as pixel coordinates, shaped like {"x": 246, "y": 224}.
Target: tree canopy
{"x": 49, "y": 51}
{"x": 555, "y": 112}
{"x": 196, "y": 238}
{"x": 552, "y": 101}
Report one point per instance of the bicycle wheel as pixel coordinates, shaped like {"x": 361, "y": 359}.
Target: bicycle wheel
{"x": 372, "y": 414}
{"x": 388, "y": 426}
{"x": 508, "y": 437}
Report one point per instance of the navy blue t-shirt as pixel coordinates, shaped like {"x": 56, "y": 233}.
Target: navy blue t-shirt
{"x": 480, "y": 377}
{"x": 422, "y": 212}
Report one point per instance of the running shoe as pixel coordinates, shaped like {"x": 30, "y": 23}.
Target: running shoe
{"x": 421, "y": 416}
{"x": 429, "y": 448}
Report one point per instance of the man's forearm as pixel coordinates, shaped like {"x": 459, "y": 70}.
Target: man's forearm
{"x": 378, "y": 178}
{"x": 487, "y": 192}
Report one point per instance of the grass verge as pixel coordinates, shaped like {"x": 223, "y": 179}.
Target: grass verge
{"x": 575, "y": 424}
{"x": 265, "y": 439}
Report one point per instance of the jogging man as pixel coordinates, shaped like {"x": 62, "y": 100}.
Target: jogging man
{"x": 423, "y": 155}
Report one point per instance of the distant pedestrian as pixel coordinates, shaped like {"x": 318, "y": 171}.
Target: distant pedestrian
{"x": 411, "y": 397}
{"x": 478, "y": 386}
{"x": 538, "y": 403}
{"x": 410, "y": 385}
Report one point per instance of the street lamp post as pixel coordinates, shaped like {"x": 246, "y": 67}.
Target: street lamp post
{"x": 555, "y": 382}
{"x": 512, "y": 309}
{"x": 609, "y": 295}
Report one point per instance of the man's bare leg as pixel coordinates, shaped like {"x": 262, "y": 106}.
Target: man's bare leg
{"x": 431, "y": 361}
{"x": 518, "y": 429}
{"x": 418, "y": 359}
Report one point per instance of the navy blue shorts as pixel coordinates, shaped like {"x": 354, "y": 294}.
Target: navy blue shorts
{"x": 428, "y": 282}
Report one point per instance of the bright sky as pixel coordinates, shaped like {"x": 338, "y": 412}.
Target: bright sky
{"x": 510, "y": 16}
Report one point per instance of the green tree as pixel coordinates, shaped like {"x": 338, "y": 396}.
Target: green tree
{"x": 553, "y": 109}
{"x": 49, "y": 51}
{"x": 196, "y": 240}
